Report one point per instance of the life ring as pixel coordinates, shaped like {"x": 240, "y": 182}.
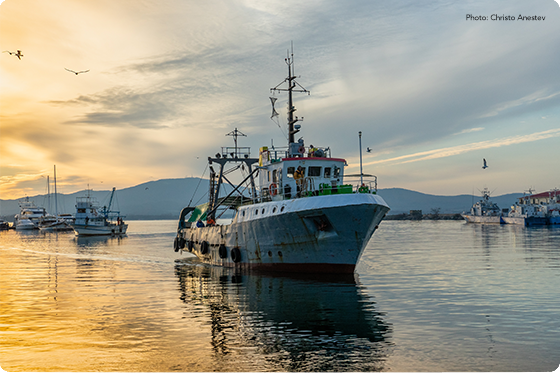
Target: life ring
{"x": 235, "y": 255}
{"x": 222, "y": 251}
{"x": 176, "y": 244}
{"x": 301, "y": 150}
{"x": 273, "y": 189}
{"x": 204, "y": 246}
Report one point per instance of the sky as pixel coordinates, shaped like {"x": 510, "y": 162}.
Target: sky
{"x": 432, "y": 91}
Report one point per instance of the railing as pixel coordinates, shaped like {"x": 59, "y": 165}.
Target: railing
{"x": 278, "y": 153}
{"x": 367, "y": 184}
{"x": 308, "y": 188}
{"x": 236, "y": 152}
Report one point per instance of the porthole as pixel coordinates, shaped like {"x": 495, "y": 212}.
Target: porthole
{"x": 262, "y": 212}
{"x": 282, "y": 209}
{"x": 274, "y": 210}
{"x": 256, "y": 211}
{"x": 243, "y": 213}
{"x": 270, "y": 254}
{"x": 280, "y": 253}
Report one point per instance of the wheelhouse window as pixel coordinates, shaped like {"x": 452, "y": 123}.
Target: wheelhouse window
{"x": 336, "y": 171}
{"x": 290, "y": 171}
{"x": 314, "y": 171}
{"x": 327, "y": 172}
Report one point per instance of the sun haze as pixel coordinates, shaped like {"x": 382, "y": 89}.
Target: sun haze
{"x": 166, "y": 81}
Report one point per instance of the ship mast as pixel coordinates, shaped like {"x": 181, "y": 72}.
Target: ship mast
{"x": 292, "y": 84}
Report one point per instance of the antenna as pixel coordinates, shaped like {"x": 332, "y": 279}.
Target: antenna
{"x": 235, "y": 133}
{"x": 292, "y": 83}
{"x": 361, "y": 172}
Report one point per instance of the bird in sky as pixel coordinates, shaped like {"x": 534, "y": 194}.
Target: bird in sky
{"x": 76, "y": 72}
{"x": 484, "y": 165}
{"x": 17, "y": 53}
{"x": 368, "y": 150}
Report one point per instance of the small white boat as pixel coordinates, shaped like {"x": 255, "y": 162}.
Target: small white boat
{"x": 50, "y": 223}
{"x": 29, "y": 215}
{"x": 25, "y": 225}
{"x": 91, "y": 220}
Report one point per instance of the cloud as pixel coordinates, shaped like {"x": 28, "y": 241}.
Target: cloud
{"x": 469, "y": 130}
{"x": 460, "y": 149}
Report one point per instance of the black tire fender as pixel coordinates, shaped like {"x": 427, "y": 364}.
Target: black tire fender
{"x": 236, "y": 255}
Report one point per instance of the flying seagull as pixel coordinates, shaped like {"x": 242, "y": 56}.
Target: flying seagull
{"x": 484, "y": 166}
{"x": 76, "y": 72}
{"x": 368, "y": 150}
{"x": 17, "y": 53}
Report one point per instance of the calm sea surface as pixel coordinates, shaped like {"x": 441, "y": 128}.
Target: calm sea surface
{"x": 427, "y": 296}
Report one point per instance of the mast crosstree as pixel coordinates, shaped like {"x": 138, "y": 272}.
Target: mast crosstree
{"x": 293, "y": 128}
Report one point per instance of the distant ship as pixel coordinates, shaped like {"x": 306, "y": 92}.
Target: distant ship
{"x": 91, "y": 220}
{"x": 530, "y": 210}
{"x": 535, "y": 209}
{"x": 299, "y": 215}
{"x": 484, "y": 211}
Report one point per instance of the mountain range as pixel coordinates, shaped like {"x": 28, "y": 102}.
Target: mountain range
{"x": 164, "y": 199}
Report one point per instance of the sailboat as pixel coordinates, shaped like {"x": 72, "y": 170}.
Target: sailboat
{"x": 50, "y": 223}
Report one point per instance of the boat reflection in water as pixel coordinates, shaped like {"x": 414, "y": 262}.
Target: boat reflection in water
{"x": 265, "y": 323}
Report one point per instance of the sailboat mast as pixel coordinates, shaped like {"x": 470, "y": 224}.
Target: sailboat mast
{"x": 55, "y": 198}
{"x": 48, "y": 194}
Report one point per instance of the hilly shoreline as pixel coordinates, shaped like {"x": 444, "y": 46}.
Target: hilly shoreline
{"x": 164, "y": 199}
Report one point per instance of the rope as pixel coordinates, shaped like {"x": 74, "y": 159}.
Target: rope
{"x": 199, "y": 180}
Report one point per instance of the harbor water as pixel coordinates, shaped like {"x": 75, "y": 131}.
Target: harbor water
{"x": 426, "y": 296}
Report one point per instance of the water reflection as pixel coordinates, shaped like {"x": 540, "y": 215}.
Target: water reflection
{"x": 538, "y": 244}
{"x": 92, "y": 241}
{"x": 286, "y": 323}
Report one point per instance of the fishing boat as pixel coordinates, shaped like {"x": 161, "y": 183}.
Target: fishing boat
{"x": 535, "y": 209}
{"x": 29, "y": 215}
{"x": 92, "y": 220}
{"x": 484, "y": 211}
{"x": 293, "y": 211}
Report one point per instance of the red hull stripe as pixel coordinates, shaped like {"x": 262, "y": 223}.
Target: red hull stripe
{"x": 314, "y": 158}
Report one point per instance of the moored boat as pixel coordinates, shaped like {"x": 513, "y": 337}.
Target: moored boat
{"x": 29, "y": 215}
{"x": 91, "y": 220}
{"x": 54, "y": 223}
{"x": 484, "y": 211}
{"x": 4, "y": 225}
{"x": 298, "y": 215}
{"x": 536, "y": 209}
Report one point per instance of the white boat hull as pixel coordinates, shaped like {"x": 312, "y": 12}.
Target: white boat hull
{"x": 314, "y": 234}
{"x": 100, "y": 230}
{"x": 482, "y": 219}
{"x": 25, "y": 225}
